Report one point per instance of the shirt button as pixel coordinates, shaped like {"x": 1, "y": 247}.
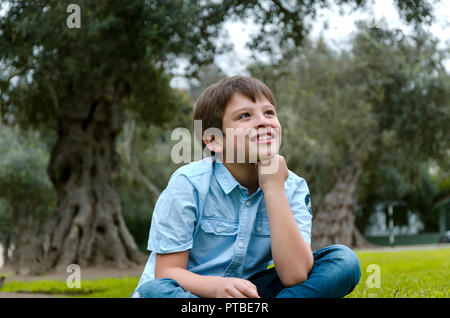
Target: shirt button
{"x": 241, "y": 245}
{"x": 219, "y": 229}
{"x": 259, "y": 229}
{"x": 248, "y": 203}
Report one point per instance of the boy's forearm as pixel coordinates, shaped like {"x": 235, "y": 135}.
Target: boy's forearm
{"x": 291, "y": 254}
{"x": 202, "y": 286}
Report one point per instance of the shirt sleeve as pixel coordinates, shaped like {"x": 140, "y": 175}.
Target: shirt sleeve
{"x": 174, "y": 217}
{"x": 301, "y": 208}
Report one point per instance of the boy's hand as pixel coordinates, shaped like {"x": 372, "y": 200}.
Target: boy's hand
{"x": 272, "y": 172}
{"x": 228, "y": 287}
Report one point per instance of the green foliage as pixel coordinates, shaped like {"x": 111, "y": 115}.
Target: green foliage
{"x": 24, "y": 185}
{"x": 285, "y": 24}
{"x": 122, "y": 52}
{"x": 408, "y": 89}
{"x": 441, "y": 180}
{"x": 22, "y": 164}
{"x": 424, "y": 196}
{"x": 137, "y": 207}
{"x": 6, "y": 217}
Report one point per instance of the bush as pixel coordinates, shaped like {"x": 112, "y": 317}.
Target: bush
{"x": 26, "y": 193}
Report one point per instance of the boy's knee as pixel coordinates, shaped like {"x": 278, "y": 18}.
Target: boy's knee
{"x": 348, "y": 262}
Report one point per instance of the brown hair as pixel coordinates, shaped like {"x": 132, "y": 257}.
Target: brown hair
{"x": 210, "y": 105}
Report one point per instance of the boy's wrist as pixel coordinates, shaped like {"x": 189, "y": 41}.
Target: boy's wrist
{"x": 272, "y": 187}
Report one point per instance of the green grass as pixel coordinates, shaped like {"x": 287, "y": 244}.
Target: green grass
{"x": 405, "y": 274}
{"x": 421, "y": 273}
{"x": 100, "y": 288}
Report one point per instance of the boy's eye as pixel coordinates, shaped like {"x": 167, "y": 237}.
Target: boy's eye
{"x": 270, "y": 112}
{"x": 244, "y": 116}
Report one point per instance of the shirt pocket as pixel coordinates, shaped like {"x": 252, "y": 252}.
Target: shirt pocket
{"x": 214, "y": 211}
{"x": 219, "y": 227}
{"x": 261, "y": 228}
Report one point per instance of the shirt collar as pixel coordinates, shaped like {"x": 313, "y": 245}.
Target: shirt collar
{"x": 224, "y": 177}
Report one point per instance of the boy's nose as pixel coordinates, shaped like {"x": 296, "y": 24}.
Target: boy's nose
{"x": 262, "y": 122}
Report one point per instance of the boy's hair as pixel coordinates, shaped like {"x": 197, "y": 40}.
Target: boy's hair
{"x": 210, "y": 105}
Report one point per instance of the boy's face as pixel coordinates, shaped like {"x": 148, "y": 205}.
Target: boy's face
{"x": 251, "y": 131}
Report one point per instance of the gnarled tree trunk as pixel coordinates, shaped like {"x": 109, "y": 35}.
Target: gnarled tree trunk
{"x": 334, "y": 219}
{"x": 88, "y": 228}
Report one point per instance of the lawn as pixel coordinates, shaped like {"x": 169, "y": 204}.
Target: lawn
{"x": 405, "y": 274}
{"x": 100, "y": 288}
{"x": 421, "y": 273}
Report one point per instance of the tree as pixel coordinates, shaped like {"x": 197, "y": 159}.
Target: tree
{"x": 79, "y": 82}
{"x": 355, "y": 119}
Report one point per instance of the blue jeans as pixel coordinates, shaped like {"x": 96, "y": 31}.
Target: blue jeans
{"x": 335, "y": 273}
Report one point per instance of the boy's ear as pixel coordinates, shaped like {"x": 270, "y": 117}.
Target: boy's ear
{"x": 213, "y": 139}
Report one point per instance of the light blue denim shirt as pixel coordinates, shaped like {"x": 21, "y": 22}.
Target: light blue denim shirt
{"x": 206, "y": 211}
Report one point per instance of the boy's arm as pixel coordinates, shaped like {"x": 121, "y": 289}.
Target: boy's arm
{"x": 174, "y": 266}
{"x": 292, "y": 256}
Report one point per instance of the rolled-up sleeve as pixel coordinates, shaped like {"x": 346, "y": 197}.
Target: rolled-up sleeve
{"x": 300, "y": 204}
{"x": 174, "y": 217}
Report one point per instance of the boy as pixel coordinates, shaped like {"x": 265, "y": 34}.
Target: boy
{"x": 226, "y": 228}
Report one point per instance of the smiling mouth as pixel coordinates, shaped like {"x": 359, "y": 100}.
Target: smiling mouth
{"x": 265, "y": 138}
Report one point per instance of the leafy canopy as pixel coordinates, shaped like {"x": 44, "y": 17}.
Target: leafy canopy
{"x": 123, "y": 50}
